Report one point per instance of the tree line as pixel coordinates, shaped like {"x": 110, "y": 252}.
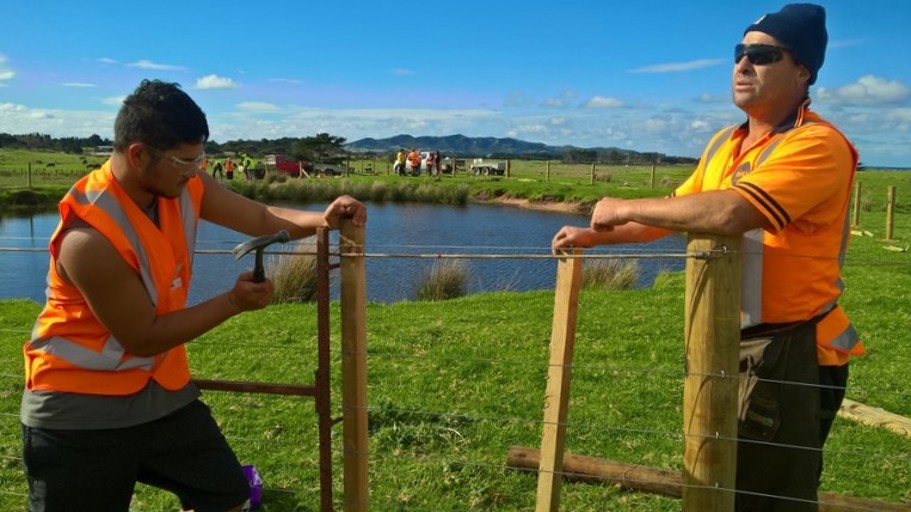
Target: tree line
{"x": 323, "y": 147}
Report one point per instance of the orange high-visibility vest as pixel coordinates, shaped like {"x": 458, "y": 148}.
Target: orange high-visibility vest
{"x": 70, "y": 350}
{"x": 799, "y": 177}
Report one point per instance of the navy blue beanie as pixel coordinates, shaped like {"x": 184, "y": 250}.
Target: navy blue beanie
{"x": 802, "y": 29}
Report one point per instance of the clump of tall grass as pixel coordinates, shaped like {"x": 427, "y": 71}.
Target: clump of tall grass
{"x": 293, "y": 276}
{"x": 445, "y": 280}
{"x": 378, "y": 191}
{"x": 609, "y": 274}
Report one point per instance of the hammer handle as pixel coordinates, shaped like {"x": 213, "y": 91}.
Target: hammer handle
{"x": 259, "y": 273}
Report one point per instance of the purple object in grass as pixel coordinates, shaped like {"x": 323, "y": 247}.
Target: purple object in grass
{"x": 256, "y": 485}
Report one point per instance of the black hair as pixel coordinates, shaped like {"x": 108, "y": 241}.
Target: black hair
{"x": 161, "y": 115}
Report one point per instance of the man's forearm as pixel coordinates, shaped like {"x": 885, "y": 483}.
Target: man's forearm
{"x": 718, "y": 212}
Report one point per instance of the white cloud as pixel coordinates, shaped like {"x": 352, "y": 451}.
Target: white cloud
{"x": 12, "y": 107}
{"x": 677, "y": 67}
{"x": 147, "y": 64}
{"x": 113, "y": 100}
{"x": 5, "y": 72}
{"x": 868, "y": 90}
{"x": 713, "y": 98}
{"x": 106, "y": 60}
{"x": 603, "y": 102}
{"x": 40, "y": 115}
{"x": 77, "y": 84}
{"x": 700, "y": 125}
{"x": 258, "y": 106}
{"x": 563, "y": 100}
{"x": 900, "y": 114}
{"x": 215, "y": 82}
{"x": 553, "y": 102}
{"x": 531, "y": 128}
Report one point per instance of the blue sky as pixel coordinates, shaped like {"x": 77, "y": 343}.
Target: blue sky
{"x": 645, "y": 75}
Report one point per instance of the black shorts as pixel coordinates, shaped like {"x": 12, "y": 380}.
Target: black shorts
{"x": 94, "y": 470}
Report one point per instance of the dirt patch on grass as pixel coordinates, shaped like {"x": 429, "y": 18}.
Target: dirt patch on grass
{"x": 550, "y": 206}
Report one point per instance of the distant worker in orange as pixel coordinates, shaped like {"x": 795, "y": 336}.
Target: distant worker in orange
{"x": 414, "y": 158}
{"x": 229, "y": 169}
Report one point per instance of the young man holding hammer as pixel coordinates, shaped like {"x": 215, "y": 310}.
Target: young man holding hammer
{"x": 108, "y": 398}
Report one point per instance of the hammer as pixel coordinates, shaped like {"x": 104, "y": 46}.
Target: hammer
{"x": 259, "y": 245}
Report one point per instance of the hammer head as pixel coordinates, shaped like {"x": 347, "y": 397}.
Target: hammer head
{"x": 260, "y": 243}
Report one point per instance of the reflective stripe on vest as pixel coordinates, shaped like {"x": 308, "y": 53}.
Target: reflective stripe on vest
{"x": 108, "y": 203}
{"x": 109, "y": 359}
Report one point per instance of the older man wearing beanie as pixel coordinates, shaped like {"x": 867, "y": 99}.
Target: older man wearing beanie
{"x": 782, "y": 180}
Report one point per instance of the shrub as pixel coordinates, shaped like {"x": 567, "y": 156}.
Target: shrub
{"x": 445, "y": 280}
{"x": 294, "y": 275}
{"x": 609, "y": 274}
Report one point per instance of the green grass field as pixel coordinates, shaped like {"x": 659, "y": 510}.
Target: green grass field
{"x": 453, "y": 384}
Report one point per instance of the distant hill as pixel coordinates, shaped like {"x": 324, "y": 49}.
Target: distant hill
{"x": 492, "y": 147}
{"x": 456, "y": 144}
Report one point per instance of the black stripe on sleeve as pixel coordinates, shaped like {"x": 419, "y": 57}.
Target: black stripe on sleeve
{"x": 772, "y": 206}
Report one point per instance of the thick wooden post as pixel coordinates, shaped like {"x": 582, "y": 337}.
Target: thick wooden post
{"x": 547, "y": 172}
{"x": 711, "y": 383}
{"x": 890, "y": 211}
{"x": 354, "y": 366}
{"x": 29, "y": 176}
{"x": 508, "y": 167}
{"x": 592, "y": 175}
{"x": 559, "y": 375}
{"x": 855, "y": 219}
{"x": 651, "y": 179}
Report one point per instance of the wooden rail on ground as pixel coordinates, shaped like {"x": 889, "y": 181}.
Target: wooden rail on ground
{"x": 668, "y": 483}
{"x": 712, "y": 340}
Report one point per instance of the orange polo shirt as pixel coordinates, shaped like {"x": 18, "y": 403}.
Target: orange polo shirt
{"x": 799, "y": 177}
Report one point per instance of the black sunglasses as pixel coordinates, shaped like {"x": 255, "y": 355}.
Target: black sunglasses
{"x": 759, "y": 54}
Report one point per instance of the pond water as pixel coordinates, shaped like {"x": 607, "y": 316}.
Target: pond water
{"x": 393, "y": 229}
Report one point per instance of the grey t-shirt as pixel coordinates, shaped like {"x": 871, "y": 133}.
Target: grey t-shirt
{"x": 75, "y": 411}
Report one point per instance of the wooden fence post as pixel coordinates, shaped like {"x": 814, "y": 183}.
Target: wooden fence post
{"x": 592, "y": 175}
{"x": 890, "y": 211}
{"x": 353, "y": 295}
{"x": 508, "y": 167}
{"x": 559, "y": 375}
{"x": 651, "y": 180}
{"x": 547, "y": 172}
{"x": 855, "y": 219}
{"x": 29, "y": 176}
{"x": 712, "y": 339}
